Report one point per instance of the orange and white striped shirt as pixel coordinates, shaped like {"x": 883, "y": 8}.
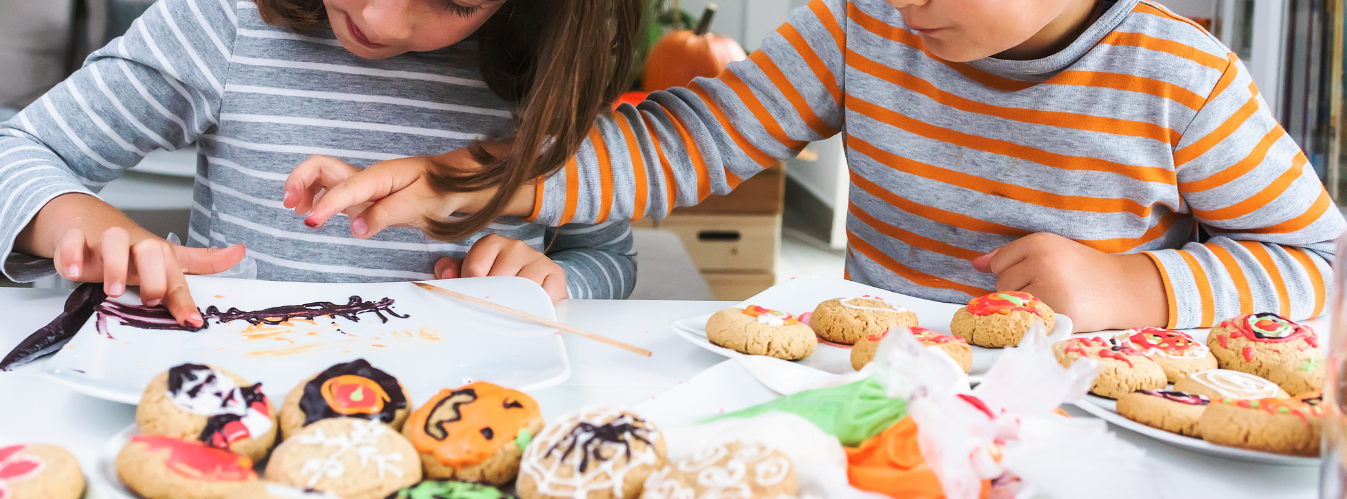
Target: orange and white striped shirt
{"x": 1144, "y": 135}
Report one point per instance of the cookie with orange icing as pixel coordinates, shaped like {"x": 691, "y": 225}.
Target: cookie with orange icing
{"x": 957, "y": 348}
{"x": 1001, "y": 319}
{"x": 1258, "y": 343}
{"x": 348, "y": 390}
{"x": 1279, "y": 425}
{"x": 756, "y": 330}
{"x": 1176, "y": 352}
{"x": 1122, "y": 369}
{"x": 476, "y": 433}
{"x": 159, "y": 467}
{"x": 853, "y": 319}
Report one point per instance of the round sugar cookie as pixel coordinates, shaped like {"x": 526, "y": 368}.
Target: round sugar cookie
{"x": 848, "y": 320}
{"x": 1282, "y": 426}
{"x": 1000, "y": 319}
{"x": 593, "y": 453}
{"x": 159, "y": 467}
{"x": 262, "y": 489}
{"x": 759, "y": 331}
{"x": 1224, "y": 383}
{"x": 209, "y": 404}
{"x": 352, "y": 390}
{"x": 39, "y": 471}
{"x": 955, "y": 347}
{"x": 1258, "y": 343}
{"x": 1300, "y": 375}
{"x": 476, "y": 433}
{"x": 437, "y": 489}
{"x": 1122, "y": 369}
{"x": 738, "y": 469}
{"x": 1176, "y": 351}
{"x": 349, "y": 457}
{"x": 1174, "y": 412}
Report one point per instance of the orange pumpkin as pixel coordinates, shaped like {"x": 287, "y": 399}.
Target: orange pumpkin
{"x": 683, "y": 55}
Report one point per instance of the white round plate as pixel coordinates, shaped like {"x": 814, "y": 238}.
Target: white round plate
{"x": 105, "y": 477}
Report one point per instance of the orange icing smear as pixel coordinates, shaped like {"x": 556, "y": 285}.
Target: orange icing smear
{"x": 464, "y": 427}
{"x": 891, "y": 463}
{"x": 929, "y": 337}
{"x": 1164, "y": 340}
{"x": 756, "y": 311}
{"x": 194, "y": 460}
{"x": 1004, "y": 302}
{"x": 350, "y": 394}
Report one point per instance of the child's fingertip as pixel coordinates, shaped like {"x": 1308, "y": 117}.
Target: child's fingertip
{"x": 116, "y": 289}
{"x": 312, "y": 222}
{"x": 73, "y": 271}
{"x": 359, "y": 227}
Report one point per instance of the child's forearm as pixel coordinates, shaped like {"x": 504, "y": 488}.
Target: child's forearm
{"x": 1142, "y": 301}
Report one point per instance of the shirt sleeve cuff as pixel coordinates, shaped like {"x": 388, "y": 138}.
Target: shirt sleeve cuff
{"x": 1181, "y": 293}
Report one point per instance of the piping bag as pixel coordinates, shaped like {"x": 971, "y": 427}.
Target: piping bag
{"x": 79, "y": 306}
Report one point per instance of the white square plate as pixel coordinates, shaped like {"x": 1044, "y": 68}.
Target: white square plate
{"x": 441, "y": 343}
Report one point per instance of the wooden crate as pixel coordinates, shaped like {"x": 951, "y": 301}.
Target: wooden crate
{"x": 738, "y": 286}
{"x": 761, "y": 194}
{"x": 729, "y": 243}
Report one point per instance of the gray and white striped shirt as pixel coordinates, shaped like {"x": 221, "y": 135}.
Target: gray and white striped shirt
{"x": 257, "y": 100}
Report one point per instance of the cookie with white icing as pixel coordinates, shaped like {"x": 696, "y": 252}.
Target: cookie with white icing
{"x": 1001, "y": 319}
{"x": 1174, "y": 412}
{"x": 1176, "y": 352}
{"x": 351, "y": 458}
{"x": 1258, "y": 343}
{"x": 955, "y": 347}
{"x": 1224, "y": 383}
{"x": 746, "y": 470}
{"x": 1300, "y": 375}
{"x": 262, "y": 489}
{"x": 476, "y": 433}
{"x": 849, "y": 320}
{"x": 594, "y": 453}
{"x": 1122, "y": 369}
{"x": 211, "y": 405}
{"x": 1280, "y": 425}
{"x": 755, "y": 330}
{"x": 159, "y": 467}
{"x": 39, "y": 471}
{"x": 348, "y": 390}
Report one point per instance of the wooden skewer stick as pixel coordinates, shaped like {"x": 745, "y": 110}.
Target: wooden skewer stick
{"x": 540, "y": 320}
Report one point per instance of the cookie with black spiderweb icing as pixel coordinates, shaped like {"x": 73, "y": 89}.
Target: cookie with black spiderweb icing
{"x": 597, "y": 453}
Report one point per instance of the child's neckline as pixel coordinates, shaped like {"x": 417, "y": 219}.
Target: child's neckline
{"x": 1039, "y": 70}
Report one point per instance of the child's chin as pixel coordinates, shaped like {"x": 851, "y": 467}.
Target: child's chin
{"x": 956, "y": 52}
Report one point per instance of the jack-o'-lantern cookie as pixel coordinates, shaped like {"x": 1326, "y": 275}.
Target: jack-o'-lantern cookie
{"x": 955, "y": 347}
{"x": 591, "y": 453}
{"x": 1176, "y": 352}
{"x": 1224, "y": 383}
{"x": 1257, "y": 343}
{"x": 1174, "y": 412}
{"x": 158, "y": 467}
{"x": 759, "y": 331}
{"x": 351, "y": 390}
{"x": 849, "y": 320}
{"x": 39, "y": 471}
{"x": 351, "y": 458}
{"x": 746, "y": 470}
{"x": 1300, "y": 375}
{"x": 1282, "y": 426}
{"x": 215, "y": 406}
{"x": 476, "y": 433}
{"x": 1001, "y": 319}
{"x": 262, "y": 489}
{"x": 439, "y": 489}
{"x": 1122, "y": 369}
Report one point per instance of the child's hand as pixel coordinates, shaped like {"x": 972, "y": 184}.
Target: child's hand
{"x": 1097, "y": 290}
{"x": 497, "y": 255}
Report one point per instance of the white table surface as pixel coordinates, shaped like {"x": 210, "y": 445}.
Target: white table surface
{"x": 34, "y": 409}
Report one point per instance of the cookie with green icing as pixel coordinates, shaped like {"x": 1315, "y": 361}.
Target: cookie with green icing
{"x": 1299, "y": 375}
{"x": 445, "y": 489}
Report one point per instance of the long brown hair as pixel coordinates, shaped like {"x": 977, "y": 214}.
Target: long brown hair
{"x": 560, "y": 62}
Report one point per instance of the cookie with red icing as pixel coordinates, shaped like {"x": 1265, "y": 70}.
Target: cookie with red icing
{"x": 348, "y": 390}
{"x": 159, "y": 467}
{"x": 1283, "y": 426}
{"x": 1122, "y": 369}
{"x": 1176, "y": 351}
{"x": 957, "y": 348}
{"x": 1174, "y": 412}
{"x": 849, "y": 320}
{"x": 755, "y": 330}
{"x": 211, "y": 405}
{"x": 39, "y": 472}
{"x": 1000, "y": 319}
{"x": 476, "y": 433}
{"x": 1258, "y": 343}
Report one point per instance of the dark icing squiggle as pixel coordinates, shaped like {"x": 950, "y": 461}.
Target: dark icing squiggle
{"x": 277, "y": 315}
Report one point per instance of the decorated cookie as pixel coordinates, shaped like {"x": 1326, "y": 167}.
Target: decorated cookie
{"x": 1299, "y": 375}
{"x": 735, "y": 469}
{"x": 1174, "y": 412}
{"x": 39, "y": 472}
{"x": 1122, "y": 369}
{"x": 266, "y": 490}
{"x": 593, "y": 454}
{"x": 434, "y": 489}
{"x": 759, "y": 331}
{"x": 1000, "y": 319}
{"x": 352, "y": 390}
{"x": 848, "y": 320}
{"x": 476, "y": 433}
{"x": 1283, "y": 426}
{"x": 159, "y": 467}
{"x": 349, "y": 457}
{"x": 1257, "y": 343}
{"x": 215, "y": 406}
{"x": 957, "y": 348}
{"x": 1176, "y": 352}
{"x": 1224, "y": 383}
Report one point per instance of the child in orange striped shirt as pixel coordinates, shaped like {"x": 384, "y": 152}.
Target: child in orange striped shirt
{"x": 1110, "y": 157}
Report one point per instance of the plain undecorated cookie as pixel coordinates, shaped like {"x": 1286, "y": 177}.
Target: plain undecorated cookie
{"x": 759, "y": 331}
{"x": 1176, "y": 351}
{"x": 158, "y": 467}
{"x": 1299, "y": 376}
{"x": 39, "y": 471}
{"x": 747, "y": 470}
{"x": 1258, "y": 343}
{"x": 1224, "y": 383}
{"x": 476, "y": 433}
{"x": 955, "y": 347}
{"x": 1001, "y": 319}
{"x": 1174, "y": 412}
{"x": 245, "y": 424}
{"x": 849, "y": 320}
{"x": 1282, "y": 426}
{"x": 352, "y": 389}
{"x": 1122, "y": 370}
{"x": 564, "y": 461}
{"x": 351, "y": 458}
